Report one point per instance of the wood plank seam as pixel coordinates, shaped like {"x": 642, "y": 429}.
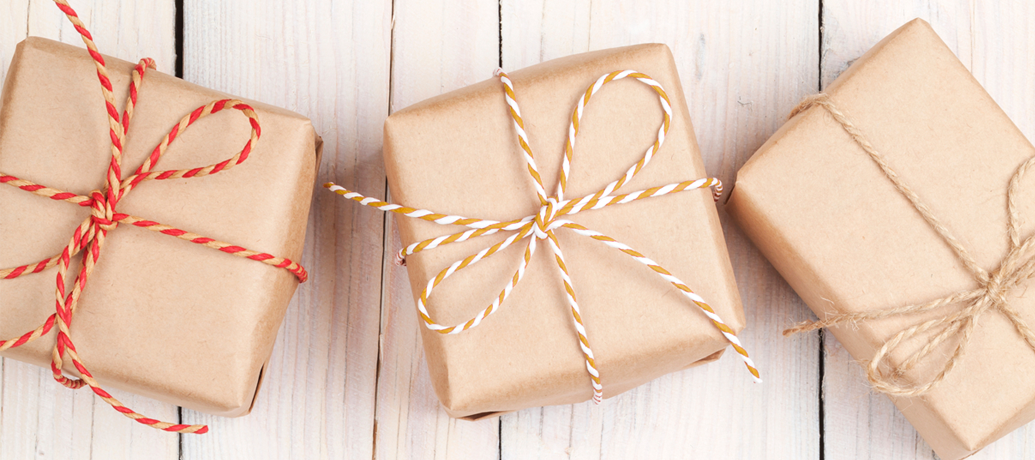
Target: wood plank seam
{"x": 178, "y": 70}
{"x": 821, "y": 338}
{"x": 499, "y": 17}
{"x": 178, "y": 34}
{"x": 386, "y": 236}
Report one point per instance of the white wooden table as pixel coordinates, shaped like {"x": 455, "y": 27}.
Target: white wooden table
{"x": 348, "y": 377}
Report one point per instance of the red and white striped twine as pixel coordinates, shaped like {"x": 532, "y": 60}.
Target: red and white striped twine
{"x": 91, "y": 233}
{"x": 549, "y": 218}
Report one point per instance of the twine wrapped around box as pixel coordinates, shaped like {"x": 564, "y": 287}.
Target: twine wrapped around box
{"x": 1016, "y": 267}
{"x": 549, "y": 218}
{"x": 90, "y": 235}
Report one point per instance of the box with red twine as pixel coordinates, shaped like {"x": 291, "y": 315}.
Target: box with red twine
{"x": 144, "y": 331}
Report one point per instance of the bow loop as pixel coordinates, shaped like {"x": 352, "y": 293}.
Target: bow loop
{"x": 1013, "y": 214}
{"x": 576, "y": 117}
{"x": 146, "y": 170}
{"x": 547, "y": 219}
{"x": 893, "y": 380}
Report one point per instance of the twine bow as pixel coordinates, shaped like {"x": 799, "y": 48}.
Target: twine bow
{"x": 91, "y": 233}
{"x": 1016, "y": 267}
{"x": 550, "y": 217}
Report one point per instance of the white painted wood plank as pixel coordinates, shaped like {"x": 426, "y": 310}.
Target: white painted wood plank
{"x": 125, "y": 29}
{"x": 997, "y": 44}
{"x": 438, "y": 46}
{"x": 410, "y": 421}
{"x": 329, "y": 61}
{"x": 39, "y": 418}
{"x": 742, "y": 67}
{"x": 14, "y": 25}
{"x": 1004, "y": 58}
{"x": 852, "y": 28}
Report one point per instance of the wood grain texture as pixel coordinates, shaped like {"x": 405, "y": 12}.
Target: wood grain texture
{"x": 738, "y": 66}
{"x": 437, "y": 46}
{"x": 997, "y": 43}
{"x": 38, "y": 417}
{"x": 14, "y": 26}
{"x": 329, "y": 61}
{"x": 126, "y": 29}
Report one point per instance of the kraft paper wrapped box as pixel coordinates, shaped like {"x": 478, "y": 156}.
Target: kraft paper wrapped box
{"x": 848, "y": 241}
{"x": 160, "y": 317}
{"x": 458, "y": 153}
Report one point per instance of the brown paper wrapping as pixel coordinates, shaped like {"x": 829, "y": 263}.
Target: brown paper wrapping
{"x": 847, "y": 241}
{"x": 458, "y": 153}
{"x": 160, "y": 317}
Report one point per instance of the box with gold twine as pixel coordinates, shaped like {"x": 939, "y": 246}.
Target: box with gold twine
{"x": 907, "y": 240}
{"x": 90, "y": 236}
{"x": 555, "y": 213}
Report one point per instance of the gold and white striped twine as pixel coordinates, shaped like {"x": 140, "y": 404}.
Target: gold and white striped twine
{"x": 542, "y": 225}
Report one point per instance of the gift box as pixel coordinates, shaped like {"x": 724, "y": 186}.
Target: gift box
{"x": 162, "y": 317}
{"x": 460, "y": 153}
{"x": 884, "y": 204}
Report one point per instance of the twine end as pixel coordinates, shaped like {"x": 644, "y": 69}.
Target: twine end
{"x": 328, "y": 185}
{"x": 800, "y": 327}
{"x": 400, "y": 260}
{"x": 807, "y": 103}
{"x": 497, "y": 72}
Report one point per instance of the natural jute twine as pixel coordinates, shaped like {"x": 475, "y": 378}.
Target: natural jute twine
{"x": 542, "y": 225}
{"x": 1016, "y": 267}
{"x": 90, "y": 234}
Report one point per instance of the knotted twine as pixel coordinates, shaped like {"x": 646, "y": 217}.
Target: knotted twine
{"x": 550, "y": 217}
{"x": 1016, "y": 267}
{"x": 91, "y": 233}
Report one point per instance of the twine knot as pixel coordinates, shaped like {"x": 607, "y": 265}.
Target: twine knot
{"x": 541, "y": 226}
{"x": 546, "y": 219}
{"x": 1017, "y": 266}
{"x": 103, "y": 218}
{"x": 102, "y": 213}
{"x": 996, "y": 289}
